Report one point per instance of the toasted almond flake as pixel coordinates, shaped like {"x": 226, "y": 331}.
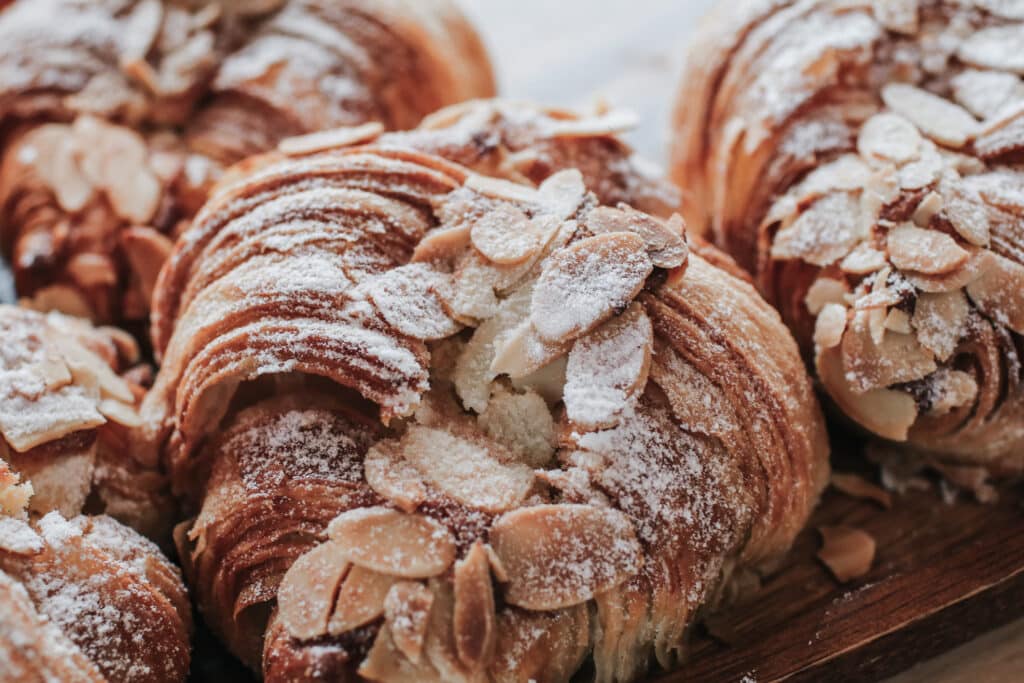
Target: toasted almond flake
{"x": 611, "y": 123}
{"x": 858, "y": 487}
{"x": 562, "y": 193}
{"x": 393, "y": 477}
{"x": 141, "y": 29}
{"x": 940, "y": 321}
{"x": 522, "y": 423}
{"x": 929, "y": 206}
{"x": 824, "y": 233}
{"x": 71, "y": 187}
{"x": 548, "y": 381}
{"x": 320, "y": 141}
{"x": 88, "y": 369}
{"x": 885, "y": 412}
{"x": 824, "y": 290}
{"x": 847, "y": 552}
{"x": 967, "y": 215}
{"x": 666, "y": 243}
{"x": 996, "y": 47}
{"x": 583, "y": 285}
{"x": 1003, "y": 135}
{"x": 898, "y": 321}
{"x": 871, "y": 364}
{"x": 562, "y": 555}
{"x": 360, "y": 599}
{"x": 474, "y": 617}
{"x": 862, "y": 260}
{"x": 889, "y": 136}
{"x": 502, "y": 189}
{"x": 984, "y": 93}
{"x": 899, "y": 16}
{"x": 92, "y": 270}
{"x": 830, "y": 325}
{"x": 121, "y": 413}
{"x": 467, "y": 471}
{"x": 16, "y": 536}
{"x": 146, "y": 251}
{"x": 948, "y": 282}
{"x": 473, "y": 374}
{"x": 608, "y": 368}
{"x": 408, "y": 546}
{"x": 925, "y": 251}
{"x": 938, "y": 118}
{"x": 442, "y": 243}
{"x": 471, "y": 297}
{"x": 305, "y": 597}
{"x": 922, "y": 172}
{"x": 999, "y": 290}
{"x": 505, "y": 235}
{"x": 950, "y": 389}
{"x": 406, "y": 613}
{"x": 522, "y": 352}
{"x": 407, "y": 298}
{"x": 497, "y": 568}
{"x": 386, "y": 662}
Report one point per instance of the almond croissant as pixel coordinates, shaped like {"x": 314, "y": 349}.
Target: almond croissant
{"x": 117, "y": 115}
{"x": 84, "y": 598}
{"x": 860, "y": 159}
{"x": 441, "y": 426}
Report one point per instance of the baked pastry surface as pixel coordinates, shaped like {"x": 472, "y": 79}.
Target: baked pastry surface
{"x": 438, "y": 425}
{"x": 861, "y": 160}
{"x": 116, "y": 117}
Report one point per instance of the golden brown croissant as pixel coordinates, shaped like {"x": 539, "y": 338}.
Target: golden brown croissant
{"x": 65, "y": 416}
{"x": 440, "y": 426}
{"x": 84, "y": 597}
{"x": 860, "y": 159}
{"x": 117, "y": 115}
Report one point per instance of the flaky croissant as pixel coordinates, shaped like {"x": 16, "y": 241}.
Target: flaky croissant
{"x": 861, "y": 160}
{"x": 84, "y": 598}
{"x": 440, "y": 426}
{"x": 67, "y": 403}
{"x": 116, "y": 116}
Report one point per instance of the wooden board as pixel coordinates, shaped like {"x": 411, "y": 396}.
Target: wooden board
{"x": 943, "y": 574}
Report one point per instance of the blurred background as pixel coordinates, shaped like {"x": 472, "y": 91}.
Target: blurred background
{"x": 570, "y": 53}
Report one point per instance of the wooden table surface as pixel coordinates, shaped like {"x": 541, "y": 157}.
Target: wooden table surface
{"x": 629, "y": 53}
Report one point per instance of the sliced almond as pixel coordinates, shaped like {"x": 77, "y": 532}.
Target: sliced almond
{"x": 899, "y": 16}
{"x": 121, "y": 413}
{"x": 522, "y": 423}
{"x": 823, "y": 291}
{"x": 92, "y": 270}
{"x": 889, "y": 136}
{"x": 940, "y": 321}
{"x": 996, "y": 47}
{"x": 407, "y": 612}
{"x": 69, "y": 184}
{"x": 465, "y": 470}
{"x": 502, "y": 189}
{"x": 985, "y": 92}
{"x": 442, "y": 243}
{"x": 898, "y": 321}
{"x": 862, "y": 260}
{"x": 360, "y": 599}
{"x": 858, "y": 487}
{"x": 926, "y": 210}
{"x": 925, "y": 251}
{"x": 967, "y": 213}
{"x": 320, "y": 141}
{"x": 868, "y": 364}
{"x": 610, "y": 123}
{"x": 943, "y": 121}
{"x": 305, "y": 598}
{"x": 999, "y": 290}
{"x": 824, "y": 233}
{"x": 393, "y": 477}
{"x": 885, "y": 412}
{"x": 562, "y": 193}
{"x": 146, "y": 250}
{"x": 386, "y": 662}
{"x": 522, "y": 352}
{"x": 408, "y": 546}
{"x": 583, "y": 285}
{"x": 473, "y": 618}
{"x": 608, "y": 368}
{"x": 830, "y": 325}
{"x": 407, "y": 298}
{"x": 848, "y": 553}
{"x": 666, "y": 244}
{"x": 948, "y": 282}
{"x": 472, "y": 298}
{"x": 562, "y": 555}
{"x": 505, "y": 235}
{"x": 16, "y": 536}
{"x": 922, "y": 172}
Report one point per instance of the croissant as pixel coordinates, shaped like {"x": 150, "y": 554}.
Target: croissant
{"x": 859, "y": 159}
{"x": 437, "y": 425}
{"x": 117, "y": 116}
{"x": 84, "y": 597}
